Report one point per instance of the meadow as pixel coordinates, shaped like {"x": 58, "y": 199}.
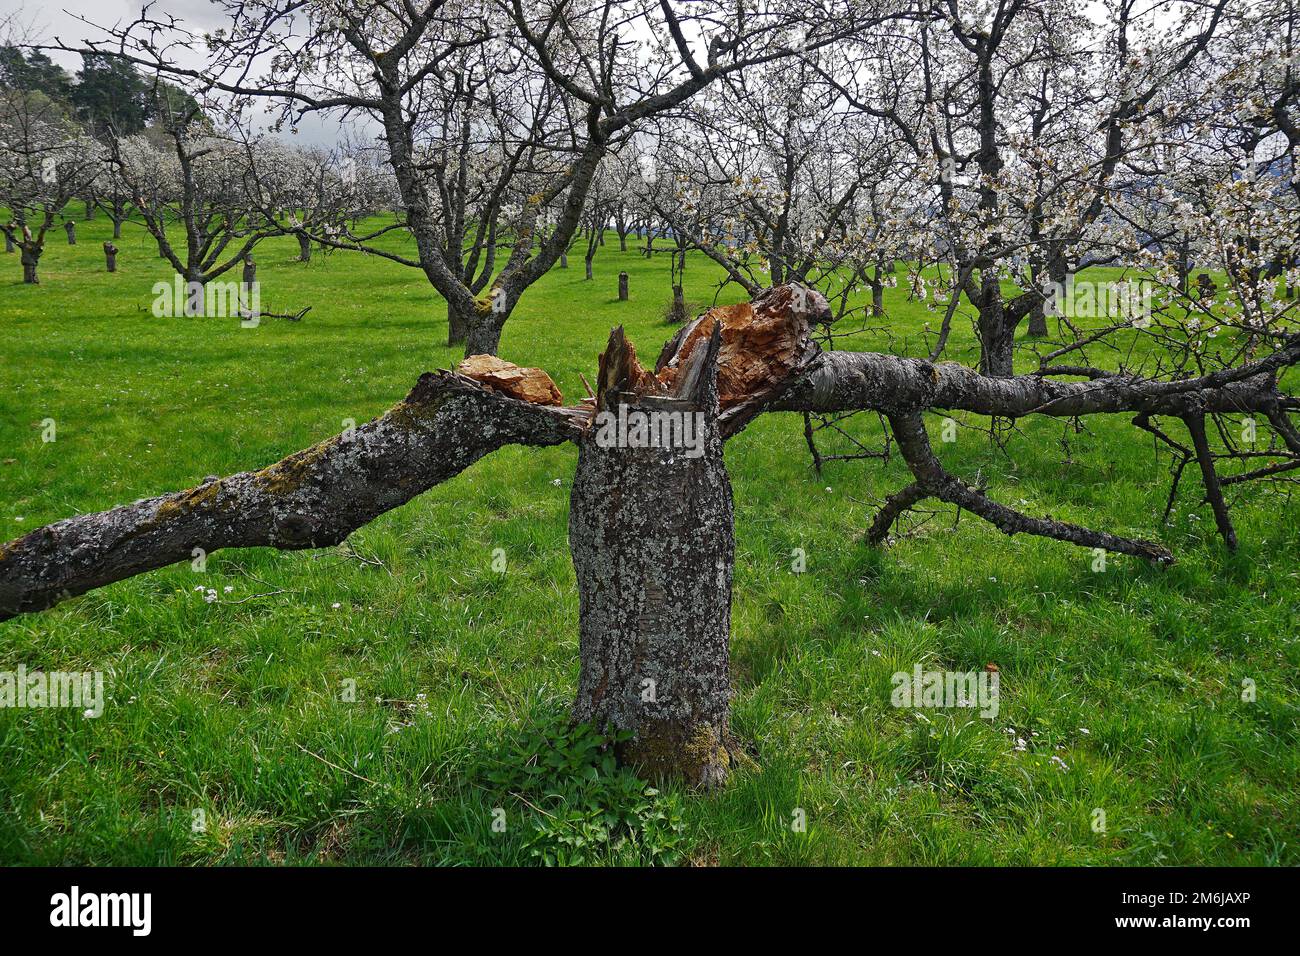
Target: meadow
{"x": 388, "y": 701}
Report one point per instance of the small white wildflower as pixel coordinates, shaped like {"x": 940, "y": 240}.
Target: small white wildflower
{"x": 87, "y": 713}
{"x": 336, "y": 605}
{"x": 1060, "y": 763}
{"x": 557, "y": 482}
{"x": 228, "y": 588}
{"x": 210, "y": 597}
{"x": 829, "y": 488}
{"x": 1084, "y": 730}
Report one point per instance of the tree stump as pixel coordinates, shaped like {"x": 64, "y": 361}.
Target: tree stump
{"x": 622, "y": 287}
{"x": 651, "y": 534}
{"x": 110, "y": 256}
{"x": 71, "y": 228}
{"x": 679, "y": 304}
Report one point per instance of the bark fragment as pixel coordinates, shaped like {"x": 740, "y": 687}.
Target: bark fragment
{"x": 526, "y": 384}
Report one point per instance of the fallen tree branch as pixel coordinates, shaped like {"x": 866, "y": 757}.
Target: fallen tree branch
{"x": 766, "y": 361}
{"x": 312, "y": 498}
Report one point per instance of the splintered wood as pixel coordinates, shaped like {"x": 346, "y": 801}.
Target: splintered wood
{"x": 527, "y": 384}
{"x": 762, "y": 343}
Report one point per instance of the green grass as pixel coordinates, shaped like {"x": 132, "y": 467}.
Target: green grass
{"x": 1132, "y": 676}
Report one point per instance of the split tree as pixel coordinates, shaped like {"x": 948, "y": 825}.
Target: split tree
{"x": 650, "y": 526}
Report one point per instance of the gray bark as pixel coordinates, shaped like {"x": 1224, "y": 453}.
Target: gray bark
{"x": 650, "y": 530}
{"x": 313, "y": 498}
{"x": 31, "y": 257}
{"x": 458, "y": 323}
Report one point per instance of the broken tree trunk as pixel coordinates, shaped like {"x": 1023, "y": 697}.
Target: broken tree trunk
{"x": 651, "y": 530}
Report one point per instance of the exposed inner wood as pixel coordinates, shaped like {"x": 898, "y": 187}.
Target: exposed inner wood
{"x": 527, "y": 384}
{"x": 763, "y": 344}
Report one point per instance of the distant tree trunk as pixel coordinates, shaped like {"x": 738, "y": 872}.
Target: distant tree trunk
{"x": 651, "y": 532}
{"x": 90, "y": 209}
{"x": 483, "y": 334}
{"x": 679, "y": 304}
{"x": 877, "y": 284}
{"x": 622, "y": 286}
{"x": 304, "y": 248}
{"x": 31, "y": 256}
{"x": 117, "y": 228}
{"x": 195, "y": 295}
{"x": 71, "y": 228}
{"x": 564, "y": 260}
{"x": 9, "y": 243}
{"x": 592, "y": 245}
{"x": 1038, "y": 321}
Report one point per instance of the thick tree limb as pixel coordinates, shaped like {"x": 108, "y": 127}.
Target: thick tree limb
{"x": 313, "y": 498}
{"x": 870, "y": 380}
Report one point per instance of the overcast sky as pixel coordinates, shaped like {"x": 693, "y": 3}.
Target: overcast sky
{"x": 42, "y": 22}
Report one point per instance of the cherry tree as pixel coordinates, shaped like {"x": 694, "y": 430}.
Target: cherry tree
{"x": 193, "y": 188}
{"x": 480, "y": 101}
{"x": 1021, "y": 123}
{"x": 46, "y": 161}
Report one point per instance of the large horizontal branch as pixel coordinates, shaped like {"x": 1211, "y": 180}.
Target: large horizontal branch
{"x": 839, "y": 381}
{"x": 313, "y": 498}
